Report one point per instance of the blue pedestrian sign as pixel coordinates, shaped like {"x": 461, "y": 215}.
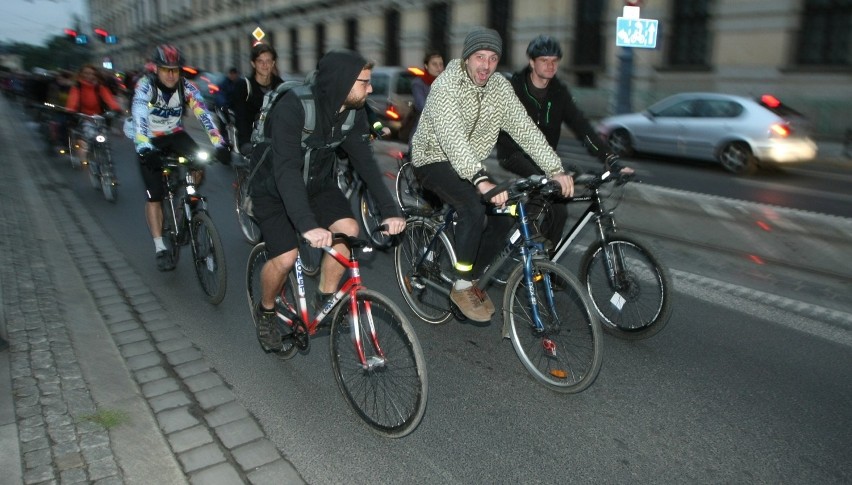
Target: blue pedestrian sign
{"x": 636, "y": 32}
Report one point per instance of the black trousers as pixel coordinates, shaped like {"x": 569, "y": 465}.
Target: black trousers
{"x": 551, "y": 223}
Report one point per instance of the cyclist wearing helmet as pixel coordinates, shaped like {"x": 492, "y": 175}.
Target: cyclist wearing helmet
{"x": 549, "y": 103}
{"x": 157, "y": 108}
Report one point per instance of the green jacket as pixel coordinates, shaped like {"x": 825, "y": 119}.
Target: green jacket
{"x": 461, "y": 121}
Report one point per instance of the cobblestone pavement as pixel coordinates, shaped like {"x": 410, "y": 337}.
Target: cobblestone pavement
{"x": 105, "y": 388}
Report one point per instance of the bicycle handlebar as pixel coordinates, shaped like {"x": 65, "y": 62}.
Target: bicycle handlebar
{"x": 517, "y": 188}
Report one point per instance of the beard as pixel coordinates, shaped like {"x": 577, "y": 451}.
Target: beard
{"x": 354, "y": 102}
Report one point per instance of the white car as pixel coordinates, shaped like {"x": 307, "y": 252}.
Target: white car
{"x": 738, "y": 132}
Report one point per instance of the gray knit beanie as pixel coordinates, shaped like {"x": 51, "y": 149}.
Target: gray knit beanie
{"x": 482, "y": 39}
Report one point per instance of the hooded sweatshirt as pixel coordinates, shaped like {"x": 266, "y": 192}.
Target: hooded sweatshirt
{"x": 461, "y": 121}
{"x": 283, "y": 177}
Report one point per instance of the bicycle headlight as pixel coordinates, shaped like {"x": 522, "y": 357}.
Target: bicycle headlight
{"x": 100, "y": 139}
{"x": 202, "y": 156}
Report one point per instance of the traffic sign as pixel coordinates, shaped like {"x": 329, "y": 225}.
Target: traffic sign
{"x": 258, "y": 34}
{"x": 636, "y": 32}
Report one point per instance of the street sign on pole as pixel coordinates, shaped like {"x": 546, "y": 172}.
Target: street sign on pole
{"x": 636, "y": 32}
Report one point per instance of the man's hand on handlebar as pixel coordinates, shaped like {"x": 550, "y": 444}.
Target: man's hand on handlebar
{"x": 499, "y": 200}
{"x": 395, "y": 225}
{"x": 318, "y": 237}
{"x": 566, "y": 182}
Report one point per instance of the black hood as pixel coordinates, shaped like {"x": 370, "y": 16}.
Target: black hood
{"x": 336, "y": 73}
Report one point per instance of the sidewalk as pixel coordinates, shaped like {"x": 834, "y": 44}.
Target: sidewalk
{"x": 98, "y": 385}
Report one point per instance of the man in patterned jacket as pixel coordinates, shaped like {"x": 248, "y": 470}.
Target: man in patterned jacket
{"x": 466, "y": 109}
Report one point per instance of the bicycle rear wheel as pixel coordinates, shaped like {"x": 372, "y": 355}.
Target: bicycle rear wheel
{"x": 250, "y": 229}
{"x": 410, "y": 194}
{"x": 371, "y": 219}
{"x": 628, "y": 286}
{"x": 566, "y": 354}
{"x": 209, "y": 257}
{"x": 421, "y": 284}
{"x": 389, "y": 392}
{"x": 257, "y": 258}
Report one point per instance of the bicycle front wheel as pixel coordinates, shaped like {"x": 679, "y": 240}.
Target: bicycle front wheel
{"x": 311, "y": 257}
{"x": 94, "y": 170}
{"x": 209, "y": 258}
{"x": 389, "y": 389}
{"x": 101, "y": 158}
{"x": 424, "y": 263}
{"x": 250, "y": 229}
{"x": 172, "y": 223}
{"x": 565, "y": 353}
{"x": 628, "y": 286}
{"x": 371, "y": 219}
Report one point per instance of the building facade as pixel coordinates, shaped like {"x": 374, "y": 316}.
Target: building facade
{"x": 799, "y": 50}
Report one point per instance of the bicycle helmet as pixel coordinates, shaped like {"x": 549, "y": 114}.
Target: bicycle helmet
{"x": 544, "y": 45}
{"x": 167, "y": 55}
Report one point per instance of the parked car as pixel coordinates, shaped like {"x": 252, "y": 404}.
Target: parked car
{"x": 391, "y": 97}
{"x": 738, "y": 132}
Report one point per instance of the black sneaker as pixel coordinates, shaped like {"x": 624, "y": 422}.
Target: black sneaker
{"x": 164, "y": 261}
{"x": 267, "y": 330}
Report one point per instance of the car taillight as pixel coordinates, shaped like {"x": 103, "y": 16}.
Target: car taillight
{"x": 770, "y": 101}
{"x": 780, "y": 130}
{"x": 392, "y": 113}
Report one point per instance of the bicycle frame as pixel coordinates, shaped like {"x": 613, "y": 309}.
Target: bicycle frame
{"x": 519, "y": 240}
{"x": 350, "y": 287}
{"x": 595, "y": 210}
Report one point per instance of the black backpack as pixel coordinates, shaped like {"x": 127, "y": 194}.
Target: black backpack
{"x": 261, "y": 135}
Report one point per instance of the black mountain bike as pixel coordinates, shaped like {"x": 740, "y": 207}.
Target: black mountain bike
{"x": 186, "y": 221}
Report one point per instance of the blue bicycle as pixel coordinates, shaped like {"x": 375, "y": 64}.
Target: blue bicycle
{"x": 547, "y": 314}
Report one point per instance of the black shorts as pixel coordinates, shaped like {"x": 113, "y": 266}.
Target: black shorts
{"x": 328, "y": 206}
{"x": 179, "y": 142}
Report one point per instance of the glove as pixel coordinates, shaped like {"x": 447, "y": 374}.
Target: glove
{"x": 612, "y": 163}
{"x": 150, "y": 159}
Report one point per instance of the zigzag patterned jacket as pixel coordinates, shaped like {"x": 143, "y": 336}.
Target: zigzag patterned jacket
{"x": 461, "y": 121}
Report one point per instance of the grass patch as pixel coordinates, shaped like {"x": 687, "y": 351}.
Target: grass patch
{"x": 107, "y": 418}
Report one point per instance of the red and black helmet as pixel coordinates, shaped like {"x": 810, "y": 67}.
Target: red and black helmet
{"x": 167, "y": 55}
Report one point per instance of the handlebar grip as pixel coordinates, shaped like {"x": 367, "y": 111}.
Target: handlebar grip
{"x": 501, "y": 187}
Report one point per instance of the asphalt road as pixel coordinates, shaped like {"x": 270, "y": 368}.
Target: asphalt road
{"x": 738, "y": 388}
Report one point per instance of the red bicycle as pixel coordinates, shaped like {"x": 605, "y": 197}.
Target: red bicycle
{"x": 375, "y": 355}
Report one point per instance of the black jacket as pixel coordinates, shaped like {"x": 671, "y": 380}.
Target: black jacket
{"x": 283, "y": 177}
{"x": 247, "y": 106}
{"x": 559, "y": 107}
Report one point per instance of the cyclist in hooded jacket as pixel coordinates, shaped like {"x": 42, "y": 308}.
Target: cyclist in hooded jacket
{"x": 290, "y": 203}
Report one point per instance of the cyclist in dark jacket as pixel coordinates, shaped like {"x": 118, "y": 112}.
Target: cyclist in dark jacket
{"x": 290, "y": 204}
{"x": 247, "y": 98}
{"x": 549, "y": 103}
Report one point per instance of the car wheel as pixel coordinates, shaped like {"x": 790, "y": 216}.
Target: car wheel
{"x": 737, "y": 158}
{"x": 620, "y": 143}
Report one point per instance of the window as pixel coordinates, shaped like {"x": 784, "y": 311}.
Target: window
{"x": 391, "y": 38}
{"x": 825, "y": 39}
{"x": 352, "y": 34}
{"x": 294, "y": 50}
{"x": 587, "y": 48}
{"x": 689, "y": 44}
{"x": 439, "y": 21}
{"x": 499, "y": 19}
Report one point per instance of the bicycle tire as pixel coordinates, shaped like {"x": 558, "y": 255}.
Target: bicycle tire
{"x": 390, "y": 397}
{"x": 169, "y": 233}
{"x": 566, "y": 356}
{"x": 93, "y": 169}
{"x": 108, "y": 187}
{"x": 428, "y": 303}
{"x": 311, "y": 258}
{"x": 250, "y": 229}
{"x": 257, "y": 258}
{"x": 409, "y": 193}
{"x": 209, "y": 257}
{"x": 371, "y": 219}
{"x": 641, "y": 304}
